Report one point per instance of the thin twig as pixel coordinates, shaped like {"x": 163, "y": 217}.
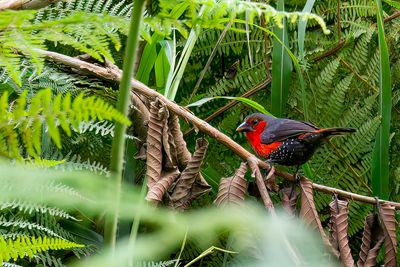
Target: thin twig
{"x": 255, "y": 170}
{"x": 233, "y": 103}
{"x": 342, "y": 42}
{"x": 210, "y": 58}
{"x": 25, "y": 4}
{"x": 140, "y": 88}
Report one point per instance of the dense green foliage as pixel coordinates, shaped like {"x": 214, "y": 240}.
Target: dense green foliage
{"x": 55, "y": 119}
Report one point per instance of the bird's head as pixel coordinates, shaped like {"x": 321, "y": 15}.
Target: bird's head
{"x": 255, "y": 123}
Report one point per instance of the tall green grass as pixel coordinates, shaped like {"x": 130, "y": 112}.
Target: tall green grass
{"x": 380, "y": 165}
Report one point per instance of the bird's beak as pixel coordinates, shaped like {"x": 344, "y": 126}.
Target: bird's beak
{"x": 244, "y": 127}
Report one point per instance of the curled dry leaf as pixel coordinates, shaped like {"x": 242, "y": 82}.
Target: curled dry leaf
{"x": 168, "y": 144}
{"x": 158, "y": 190}
{"x": 388, "y": 222}
{"x": 200, "y": 186}
{"x": 140, "y": 115}
{"x": 372, "y": 241}
{"x": 182, "y": 153}
{"x": 339, "y": 222}
{"x": 289, "y": 200}
{"x": 182, "y": 194}
{"x": 233, "y": 189}
{"x": 309, "y": 213}
{"x": 154, "y": 144}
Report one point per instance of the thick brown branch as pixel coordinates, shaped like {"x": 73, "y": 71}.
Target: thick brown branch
{"x": 140, "y": 88}
{"x": 25, "y": 4}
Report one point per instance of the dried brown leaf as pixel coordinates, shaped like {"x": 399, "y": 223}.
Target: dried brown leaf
{"x": 140, "y": 115}
{"x": 154, "y": 144}
{"x": 371, "y": 242}
{"x": 158, "y": 190}
{"x": 289, "y": 199}
{"x": 373, "y": 253}
{"x": 339, "y": 222}
{"x": 309, "y": 213}
{"x": 182, "y": 195}
{"x": 200, "y": 187}
{"x": 169, "y": 145}
{"x": 233, "y": 189}
{"x": 182, "y": 153}
{"x": 388, "y": 222}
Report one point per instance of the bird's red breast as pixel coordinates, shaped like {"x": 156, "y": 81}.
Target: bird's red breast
{"x": 254, "y": 137}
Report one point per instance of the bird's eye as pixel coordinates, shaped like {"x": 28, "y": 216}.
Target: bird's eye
{"x": 254, "y": 122}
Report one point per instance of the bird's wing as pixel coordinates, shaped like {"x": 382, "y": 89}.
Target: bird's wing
{"x": 281, "y": 129}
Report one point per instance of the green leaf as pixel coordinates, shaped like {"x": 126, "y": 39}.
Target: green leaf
{"x": 281, "y": 68}
{"x": 148, "y": 59}
{"x": 162, "y": 66}
{"x": 380, "y": 164}
{"x": 302, "y": 28}
{"x": 246, "y": 101}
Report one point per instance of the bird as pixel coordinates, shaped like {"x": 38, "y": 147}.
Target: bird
{"x": 284, "y": 141}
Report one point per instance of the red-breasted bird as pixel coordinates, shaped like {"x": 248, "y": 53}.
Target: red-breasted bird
{"x": 284, "y": 141}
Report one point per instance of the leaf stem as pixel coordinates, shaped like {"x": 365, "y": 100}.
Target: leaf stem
{"x": 118, "y": 143}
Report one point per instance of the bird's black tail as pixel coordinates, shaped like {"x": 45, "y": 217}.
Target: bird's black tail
{"x": 336, "y": 131}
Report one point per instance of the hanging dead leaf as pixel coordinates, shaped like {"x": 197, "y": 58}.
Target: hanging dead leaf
{"x": 309, "y": 213}
{"x": 388, "y": 223}
{"x": 182, "y": 153}
{"x": 233, "y": 189}
{"x": 270, "y": 180}
{"x": 373, "y": 253}
{"x": 339, "y": 222}
{"x": 182, "y": 194}
{"x": 289, "y": 199}
{"x": 200, "y": 186}
{"x": 158, "y": 190}
{"x": 154, "y": 144}
{"x": 372, "y": 240}
{"x": 168, "y": 144}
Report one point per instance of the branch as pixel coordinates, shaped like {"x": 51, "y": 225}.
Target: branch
{"x": 25, "y": 4}
{"x": 233, "y": 103}
{"x": 342, "y": 42}
{"x": 111, "y": 74}
{"x": 255, "y": 172}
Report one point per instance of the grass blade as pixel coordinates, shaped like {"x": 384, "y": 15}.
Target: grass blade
{"x": 244, "y": 100}
{"x": 380, "y": 165}
{"x": 281, "y": 68}
{"x": 162, "y": 65}
{"x": 302, "y": 28}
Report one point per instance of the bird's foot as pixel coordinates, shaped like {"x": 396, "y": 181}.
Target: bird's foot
{"x": 297, "y": 177}
{"x": 269, "y": 169}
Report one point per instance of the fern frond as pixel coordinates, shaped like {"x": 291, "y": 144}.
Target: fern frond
{"x": 156, "y": 264}
{"x": 43, "y": 111}
{"x": 75, "y": 163}
{"x": 100, "y": 127}
{"x": 333, "y": 107}
{"x": 359, "y": 55}
{"x": 28, "y": 246}
{"x": 23, "y": 224}
{"x": 30, "y": 208}
{"x": 9, "y": 264}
